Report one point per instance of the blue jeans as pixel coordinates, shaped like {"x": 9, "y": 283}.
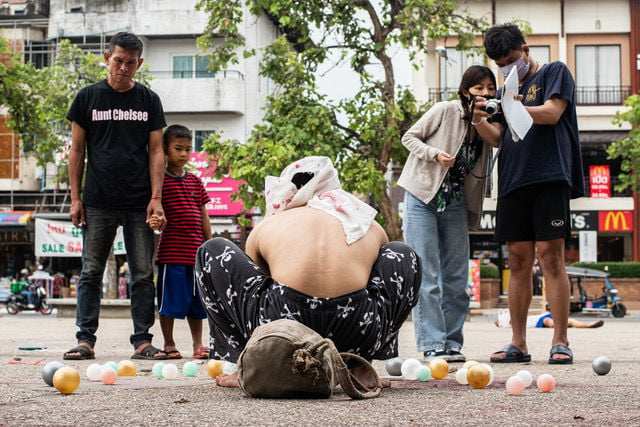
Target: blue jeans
{"x": 441, "y": 240}
{"x": 97, "y": 237}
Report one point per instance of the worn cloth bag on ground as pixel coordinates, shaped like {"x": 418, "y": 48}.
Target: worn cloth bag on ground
{"x": 286, "y": 359}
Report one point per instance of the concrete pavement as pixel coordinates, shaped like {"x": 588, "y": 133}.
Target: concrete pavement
{"x": 580, "y": 397}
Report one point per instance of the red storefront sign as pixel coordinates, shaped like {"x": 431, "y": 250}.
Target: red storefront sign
{"x": 219, "y": 190}
{"x": 600, "y": 181}
{"x": 615, "y": 220}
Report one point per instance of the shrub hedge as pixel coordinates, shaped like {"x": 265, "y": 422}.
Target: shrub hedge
{"x": 616, "y": 269}
{"x": 489, "y": 272}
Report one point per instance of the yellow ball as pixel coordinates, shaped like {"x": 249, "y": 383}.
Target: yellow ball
{"x": 470, "y": 363}
{"x": 439, "y": 368}
{"x": 214, "y": 368}
{"x": 66, "y": 380}
{"x": 478, "y": 376}
{"x": 126, "y": 368}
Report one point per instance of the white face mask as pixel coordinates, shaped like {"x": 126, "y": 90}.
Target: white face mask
{"x": 522, "y": 68}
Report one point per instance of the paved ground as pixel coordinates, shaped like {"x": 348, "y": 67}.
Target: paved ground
{"x": 580, "y": 398}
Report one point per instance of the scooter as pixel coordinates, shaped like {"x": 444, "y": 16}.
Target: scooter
{"x": 18, "y": 302}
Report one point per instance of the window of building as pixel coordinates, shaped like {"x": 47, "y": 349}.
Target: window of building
{"x": 540, "y": 53}
{"x": 184, "y": 67}
{"x": 452, "y": 66}
{"x": 199, "y": 137}
{"x": 598, "y": 75}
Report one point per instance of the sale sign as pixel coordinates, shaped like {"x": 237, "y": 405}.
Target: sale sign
{"x": 219, "y": 190}
{"x": 600, "y": 181}
{"x": 63, "y": 239}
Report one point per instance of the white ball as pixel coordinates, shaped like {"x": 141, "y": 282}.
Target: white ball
{"x": 461, "y": 376}
{"x": 170, "y": 371}
{"x": 93, "y": 372}
{"x": 229, "y": 367}
{"x": 526, "y": 377}
{"x": 492, "y": 374}
{"x": 409, "y": 368}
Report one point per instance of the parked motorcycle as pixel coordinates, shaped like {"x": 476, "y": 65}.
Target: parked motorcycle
{"x": 18, "y": 302}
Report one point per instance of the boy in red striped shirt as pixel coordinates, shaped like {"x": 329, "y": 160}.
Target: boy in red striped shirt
{"x": 184, "y": 200}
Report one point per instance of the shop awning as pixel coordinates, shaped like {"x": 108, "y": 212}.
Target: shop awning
{"x": 14, "y": 218}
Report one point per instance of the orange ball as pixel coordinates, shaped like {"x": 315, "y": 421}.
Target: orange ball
{"x": 478, "y": 376}
{"x": 108, "y": 376}
{"x": 66, "y": 380}
{"x": 439, "y": 368}
{"x": 545, "y": 383}
{"x": 126, "y": 368}
{"x": 214, "y": 368}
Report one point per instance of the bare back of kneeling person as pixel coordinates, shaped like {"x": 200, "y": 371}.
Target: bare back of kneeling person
{"x": 318, "y": 258}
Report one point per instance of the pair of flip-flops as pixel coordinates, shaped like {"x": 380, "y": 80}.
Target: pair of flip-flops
{"x": 513, "y": 354}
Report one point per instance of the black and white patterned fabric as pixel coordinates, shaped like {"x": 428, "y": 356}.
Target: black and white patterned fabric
{"x": 238, "y": 297}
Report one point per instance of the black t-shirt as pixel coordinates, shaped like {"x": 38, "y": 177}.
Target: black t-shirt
{"x": 548, "y": 153}
{"x": 117, "y": 126}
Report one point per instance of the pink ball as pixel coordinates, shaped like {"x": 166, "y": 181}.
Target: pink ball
{"x": 108, "y": 376}
{"x": 515, "y": 385}
{"x": 545, "y": 383}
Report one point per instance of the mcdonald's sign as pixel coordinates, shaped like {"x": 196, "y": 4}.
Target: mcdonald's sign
{"x": 600, "y": 181}
{"x": 615, "y": 221}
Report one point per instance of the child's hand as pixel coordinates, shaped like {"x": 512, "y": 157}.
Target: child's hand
{"x": 155, "y": 222}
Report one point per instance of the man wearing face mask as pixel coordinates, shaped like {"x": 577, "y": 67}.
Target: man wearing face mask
{"x": 538, "y": 175}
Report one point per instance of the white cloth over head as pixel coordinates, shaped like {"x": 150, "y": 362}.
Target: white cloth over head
{"x": 321, "y": 191}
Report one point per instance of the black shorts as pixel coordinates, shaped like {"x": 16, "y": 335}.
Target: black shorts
{"x": 534, "y": 213}
{"x": 238, "y": 297}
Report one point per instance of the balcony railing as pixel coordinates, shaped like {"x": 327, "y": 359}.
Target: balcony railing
{"x": 602, "y": 95}
{"x": 223, "y": 74}
{"x": 614, "y": 181}
{"x": 585, "y": 95}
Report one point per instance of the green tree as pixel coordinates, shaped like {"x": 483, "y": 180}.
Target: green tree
{"x": 37, "y": 100}
{"x": 361, "y": 134}
{"x": 628, "y": 149}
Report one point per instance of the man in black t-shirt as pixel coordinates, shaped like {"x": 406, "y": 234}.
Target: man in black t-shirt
{"x": 117, "y": 125}
{"x": 537, "y": 176}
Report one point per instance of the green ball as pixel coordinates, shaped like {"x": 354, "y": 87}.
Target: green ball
{"x": 157, "y": 369}
{"x": 423, "y": 373}
{"x": 190, "y": 369}
{"x": 113, "y": 365}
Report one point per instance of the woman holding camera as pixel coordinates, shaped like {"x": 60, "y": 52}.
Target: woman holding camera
{"x": 444, "y": 178}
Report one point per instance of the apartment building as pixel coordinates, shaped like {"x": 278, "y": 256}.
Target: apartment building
{"x": 597, "y": 40}
{"x": 228, "y": 102}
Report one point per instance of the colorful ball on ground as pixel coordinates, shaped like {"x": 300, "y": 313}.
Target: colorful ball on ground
{"x": 526, "y": 377}
{"x": 229, "y": 367}
{"x": 214, "y": 368}
{"x": 515, "y": 385}
{"x": 439, "y": 368}
{"x": 545, "y": 383}
{"x": 393, "y": 366}
{"x": 601, "y": 365}
{"x": 66, "y": 380}
{"x": 409, "y": 368}
{"x": 461, "y": 376}
{"x": 126, "y": 368}
{"x": 190, "y": 369}
{"x": 49, "y": 370}
{"x": 170, "y": 371}
{"x": 478, "y": 376}
{"x": 491, "y": 373}
{"x": 112, "y": 364}
{"x": 108, "y": 375}
{"x": 423, "y": 373}
{"x": 157, "y": 369}
{"x": 93, "y": 372}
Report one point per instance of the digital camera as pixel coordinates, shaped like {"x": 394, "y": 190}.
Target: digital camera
{"x": 492, "y": 107}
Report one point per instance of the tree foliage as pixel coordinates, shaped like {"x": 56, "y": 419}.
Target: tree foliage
{"x": 37, "y": 99}
{"x": 360, "y": 134}
{"x": 628, "y": 149}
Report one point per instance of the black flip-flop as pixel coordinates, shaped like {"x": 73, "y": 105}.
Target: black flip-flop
{"x": 560, "y": 349}
{"x": 596, "y": 324}
{"x": 512, "y": 354}
{"x": 85, "y": 353}
{"x": 149, "y": 353}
